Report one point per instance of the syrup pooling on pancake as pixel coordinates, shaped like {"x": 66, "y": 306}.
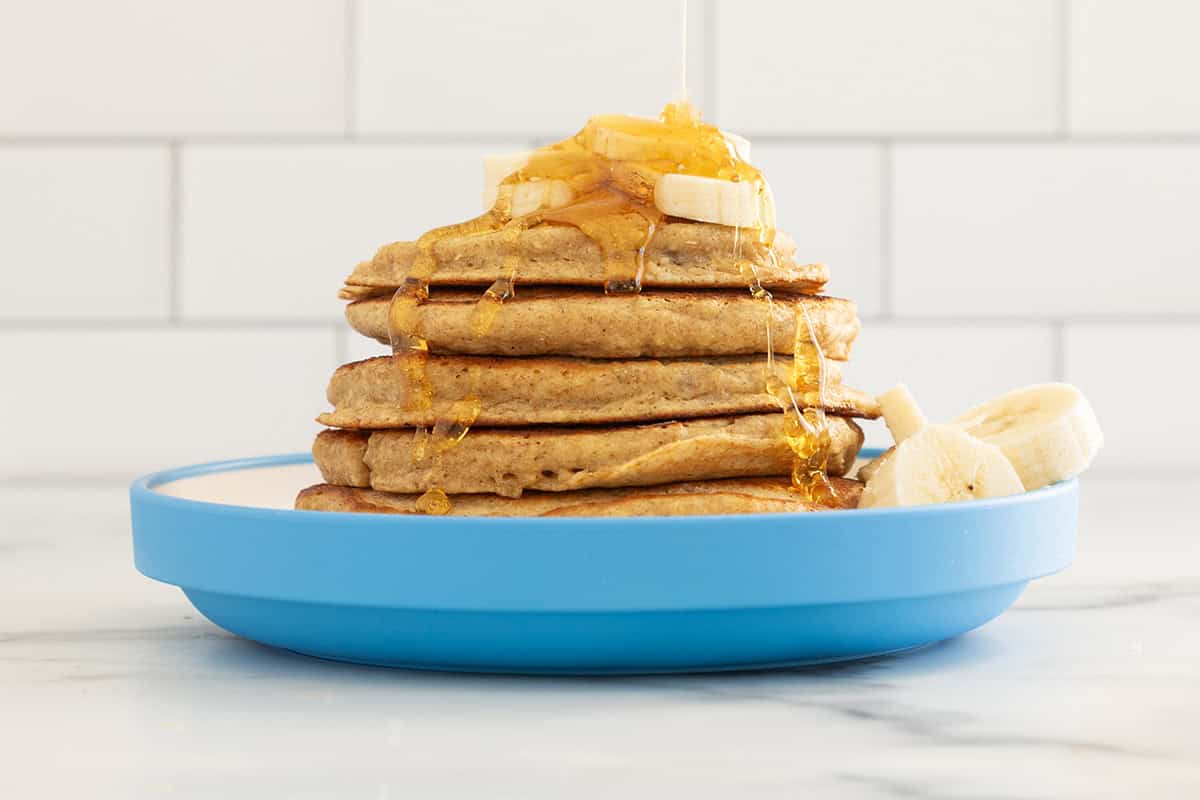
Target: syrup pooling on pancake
{"x": 602, "y": 181}
{"x": 608, "y": 173}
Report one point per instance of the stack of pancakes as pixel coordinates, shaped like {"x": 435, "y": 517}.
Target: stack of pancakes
{"x": 580, "y": 402}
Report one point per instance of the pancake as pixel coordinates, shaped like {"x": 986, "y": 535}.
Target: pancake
{"x": 589, "y": 324}
{"x": 680, "y": 255}
{"x": 507, "y": 461}
{"x": 737, "y": 496}
{"x": 374, "y": 394}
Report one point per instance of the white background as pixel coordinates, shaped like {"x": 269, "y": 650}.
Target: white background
{"x": 1010, "y": 190}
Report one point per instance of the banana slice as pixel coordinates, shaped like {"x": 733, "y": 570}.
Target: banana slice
{"x": 495, "y": 169}
{"x": 940, "y": 464}
{"x": 901, "y": 412}
{"x": 903, "y": 417}
{"x": 707, "y": 199}
{"x": 1048, "y": 431}
{"x": 631, "y": 144}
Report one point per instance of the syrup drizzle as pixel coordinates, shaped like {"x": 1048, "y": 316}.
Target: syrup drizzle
{"x": 805, "y": 428}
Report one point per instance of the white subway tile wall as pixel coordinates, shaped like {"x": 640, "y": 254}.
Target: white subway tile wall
{"x": 84, "y": 232}
{"x": 1046, "y": 229}
{"x": 1008, "y": 190}
{"x": 1116, "y": 366}
{"x": 1134, "y": 67}
{"x": 356, "y": 348}
{"x": 518, "y": 66}
{"x": 118, "y": 402}
{"x": 832, "y": 210}
{"x": 268, "y": 231}
{"x": 949, "y": 368}
{"x": 134, "y": 68}
{"x": 878, "y": 66}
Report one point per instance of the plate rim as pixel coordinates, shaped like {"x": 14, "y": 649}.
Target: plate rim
{"x": 591, "y": 563}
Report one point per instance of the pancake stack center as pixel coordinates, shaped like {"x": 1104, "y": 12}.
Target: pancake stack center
{"x": 594, "y": 355}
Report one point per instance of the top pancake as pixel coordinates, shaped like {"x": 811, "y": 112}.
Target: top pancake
{"x": 689, "y": 255}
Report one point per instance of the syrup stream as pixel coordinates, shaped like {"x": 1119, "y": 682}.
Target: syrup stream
{"x": 607, "y": 173}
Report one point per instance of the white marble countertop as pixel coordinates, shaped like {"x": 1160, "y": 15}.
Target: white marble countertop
{"x": 112, "y": 686}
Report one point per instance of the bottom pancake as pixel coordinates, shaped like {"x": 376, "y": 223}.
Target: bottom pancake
{"x": 735, "y": 496}
{"x": 508, "y": 461}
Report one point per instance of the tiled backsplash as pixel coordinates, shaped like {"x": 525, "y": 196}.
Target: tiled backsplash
{"x": 1008, "y": 189}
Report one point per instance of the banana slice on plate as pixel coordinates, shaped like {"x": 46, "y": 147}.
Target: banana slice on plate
{"x": 1048, "y": 431}
{"x": 903, "y": 417}
{"x": 901, "y": 412}
{"x": 1044, "y": 433}
{"x": 940, "y": 464}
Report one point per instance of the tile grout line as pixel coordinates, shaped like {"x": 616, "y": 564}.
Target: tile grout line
{"x": 478, "y": 138}
{"x": 448, "y": 139}
{"x": 709, "y": 93}
{"x": 341, "y": 344}
{"x": 887, "y": 276}
{"x": 887, "y": 267}
{"x": 1064, "y": 67}
{"x": 983, "y": 319}
{"x": 137, "y": 325}
{"x": 174, "y": 232}
{"x": 1058, "y": 355}
{"x": 260, "y": 324}
{"x": 350, "y": 102}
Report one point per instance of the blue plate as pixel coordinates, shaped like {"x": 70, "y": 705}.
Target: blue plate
{"x": 591, "y": 596}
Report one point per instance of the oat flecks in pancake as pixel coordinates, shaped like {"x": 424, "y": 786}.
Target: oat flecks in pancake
{"x": 680, "y": 255}
{"x": 374, "y": 394}
{"x": 589, "y": 324}
{"x": 507, "y": 461}
{"x": 735, "y": 496}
